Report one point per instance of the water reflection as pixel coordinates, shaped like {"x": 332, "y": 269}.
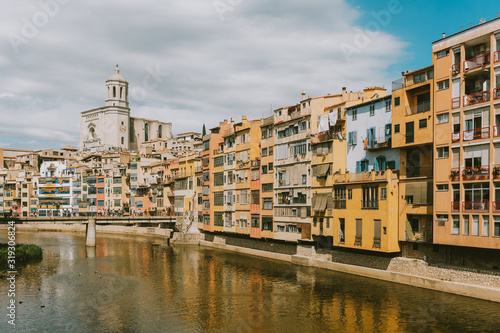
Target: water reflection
{"x": 138, "y": 285}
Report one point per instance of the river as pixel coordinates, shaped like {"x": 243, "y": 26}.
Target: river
{"x": 132, "y": 284}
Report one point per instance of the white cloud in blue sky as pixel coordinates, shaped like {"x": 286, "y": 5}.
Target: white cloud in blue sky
{"x": 256, "y": 54}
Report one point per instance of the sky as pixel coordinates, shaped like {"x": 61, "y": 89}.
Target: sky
{"x": 202, "y": 61}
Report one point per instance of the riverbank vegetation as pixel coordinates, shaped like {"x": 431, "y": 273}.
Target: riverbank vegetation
{"x": 24, "y": 253}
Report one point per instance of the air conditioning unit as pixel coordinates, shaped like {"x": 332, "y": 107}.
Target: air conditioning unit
{"x": 480, "y": 49}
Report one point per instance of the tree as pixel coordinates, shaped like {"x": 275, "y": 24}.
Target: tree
{"x": 204, "y": 131}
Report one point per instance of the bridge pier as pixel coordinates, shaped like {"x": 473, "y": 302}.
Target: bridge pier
{"x": 90, "y": 238}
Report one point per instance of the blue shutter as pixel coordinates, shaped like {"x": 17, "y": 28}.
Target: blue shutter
{"x": 377, "y": 164}
{"x": 358, "y": 166}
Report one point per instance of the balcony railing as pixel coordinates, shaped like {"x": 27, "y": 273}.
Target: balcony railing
{"x": 255, "y": 163}
{"x": 455, "y": 102}
{"x": 480, "y": 171}
{"x": 339, "y": 204}
{"x": 455, "y": 136}
{"x": 382, "y": 142}
{"x": 476, "y": 206}
{"x": 477, "y": 133}
{"x": 496, "y": 56}
{"x": 496, "y": 93}
{"x": 455, "y": 69}
{"x": 495, "y": 206}
{"x": 477, "y": 62}
{"x": 369, "y": 204}
{"x": 455, "y": 174}
{"x": 496, "y": 171}
{"x": 455, "y": 206}
{"x": 475, "y": 98}
{"x": 496, "y": 130}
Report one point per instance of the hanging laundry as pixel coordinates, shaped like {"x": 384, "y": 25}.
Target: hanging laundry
{"x": 323, "y": 123}
{"x": 333, "y": 119}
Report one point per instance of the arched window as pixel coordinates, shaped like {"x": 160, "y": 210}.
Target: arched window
{"x": 146, "y": 132}
{"x": 123, "y": 140}
{"x": 159, "y": 131}
{"x": 91, "y": 133}
{"x": 121, "y": 92}
{"x": 114, "y": 91}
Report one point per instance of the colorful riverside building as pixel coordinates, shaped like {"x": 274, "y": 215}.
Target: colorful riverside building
{"x": 328, "y": 157}
{"x": 229, "y": 179}
{"x": 267, "y": 176}
{"x": 367, "y": 194}
{"x": 413, "y": 136}
{"x": 54, "y": 190}
{"x": 247, "y": 154}
{"x": 467, "y": 173}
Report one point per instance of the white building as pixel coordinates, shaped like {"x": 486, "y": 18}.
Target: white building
{"x": 112, "y": 128}
{"x": 369, "y": 135}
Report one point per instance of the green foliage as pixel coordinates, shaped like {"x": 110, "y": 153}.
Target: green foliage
{"x": 24, "y": 254}
{"x": 204, "y": 131}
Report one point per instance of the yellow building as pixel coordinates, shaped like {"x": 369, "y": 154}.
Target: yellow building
{"x": 413, "y": 135}
{"x": 267, "y": 177}
{"x": 466, "y": 137}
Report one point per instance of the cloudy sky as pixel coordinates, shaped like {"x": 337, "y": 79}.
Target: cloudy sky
{"x": 201, "y": 61}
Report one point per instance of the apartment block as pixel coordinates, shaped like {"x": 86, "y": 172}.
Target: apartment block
{"x": 466, "y": 137}
{"x": 413, "y": 136}
{"x": 267, "y": 177}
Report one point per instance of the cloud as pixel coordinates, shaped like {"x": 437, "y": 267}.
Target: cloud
{"x": 255, "y": 55}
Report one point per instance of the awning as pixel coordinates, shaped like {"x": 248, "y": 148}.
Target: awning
{"x": 321, "y": 170}
{"x": 320, "y": 204}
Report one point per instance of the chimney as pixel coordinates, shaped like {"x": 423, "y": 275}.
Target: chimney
{"x": 303, "y": 95}
{"x": 243, "y": 118}
{"x": 444, "y": 34}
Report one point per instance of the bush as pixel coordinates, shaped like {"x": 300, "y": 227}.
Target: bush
{"x": 24, "y": 254}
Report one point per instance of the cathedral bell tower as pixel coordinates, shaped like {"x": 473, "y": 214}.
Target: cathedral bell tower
{"x": 117, "y": 90}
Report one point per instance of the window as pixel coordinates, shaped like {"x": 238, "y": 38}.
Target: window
{"x": 359, "y": 228}
{"x": 123, "y": 140}
{"x": 417, "y": 78}
{"x": 443, "y": 53}
{"x": 100, "y": 203}
{"x": 349, "y": 194}
{"x": 443, "y": 118}
{"x": 100, "y": 180}
{"x": 264, "y": 152}
{"x": 496, "y": 226}
{"x": 267, "y": 223}
{"x": 396, "y": 128}
{"x": 267, "y": 187}
{"x": 387, "y": 106}
{"x": 372, "y": 110}
{"x": 443, "y": 152}
{"x": 455, "y": 229}
{"x": 442, "y": 85}
{"x": 100, "y": 190}
{"x": 354, "y": 114}
{"x": 422, "y": 123}
{"x": 442, "y": 187}
{"x": 486, "y": 225}
{"x": 264, "y": 134}
{"x": 383, "y": 193}
{"x": 341, "y": 230}
{"x": 219, "y": 161}
{"x": 264, "y": 169}
{"x": 370, "y": 197}
{"x": 352, "y": 138}
{"x": 465, "y": 220}
{"x": 267, "y": 203}
{"x": 475, "y": 225}
{"x": 255, "y": 222}
{"x": 270, "y": 167}
{"x": 397, "y": 101}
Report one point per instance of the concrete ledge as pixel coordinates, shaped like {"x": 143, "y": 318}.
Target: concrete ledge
{"x": 302, "y": 260}
{"x": 244, "y": 250}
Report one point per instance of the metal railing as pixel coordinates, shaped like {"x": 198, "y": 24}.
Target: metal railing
{"x": 476, "y": 98}
{"x": 476, "y": 206}
{"x": 339, "y": 204}
{"x": 455, "y": 102}
{"x": 455, "y": 206}
{"x": 496, "y": 56}
{"x": 455, "y": 174}
{"x": 418, "y": 108}
{"x": 476, "y": 133}
{"x": 480, "y": 171}
{"x": 477, "y": 62}
{"x": 455, "y": 69}
{"x": 369, "y": 204}
{"x": 496, "y": 93}
{"x": 495, "y": 205}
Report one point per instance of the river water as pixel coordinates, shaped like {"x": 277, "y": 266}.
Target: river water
{"x": 131, "y": 284}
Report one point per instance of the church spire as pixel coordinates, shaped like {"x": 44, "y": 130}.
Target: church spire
{"x": 117, "y": 90}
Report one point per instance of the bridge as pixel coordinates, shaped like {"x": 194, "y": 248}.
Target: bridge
{"x": 167, "y": 222}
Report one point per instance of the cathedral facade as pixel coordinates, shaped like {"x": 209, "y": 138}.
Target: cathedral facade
{"x": 111, "y": 127}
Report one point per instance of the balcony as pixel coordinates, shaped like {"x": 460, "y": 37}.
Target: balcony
{"x": 369, "y": 204}
{"x": 255, "y": 163}
{"x": 455, "y": 136}
{"x": 455, "y": 69}
{"x": 476, "y": 98}
{"x": 379, "y": 143}
{"x": 496, "y": 93}
{"x": 339, "y": 204}
{"x": 477, "y": 62}
{"x": 455, "y": 174}
{"x": 418, "y": 108}
{"x": 418, "y": 171}
{"x": 496, "y": 171}
{"x": 455, "y": 102}
{"x": 477, "y": 133}
{"x": 495, "y": 206}
{"x": 476, "y": 172}
{"x": 496, "y": 56}
{"x": 455, "y": 206}
{"x": 475, "y": 206}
